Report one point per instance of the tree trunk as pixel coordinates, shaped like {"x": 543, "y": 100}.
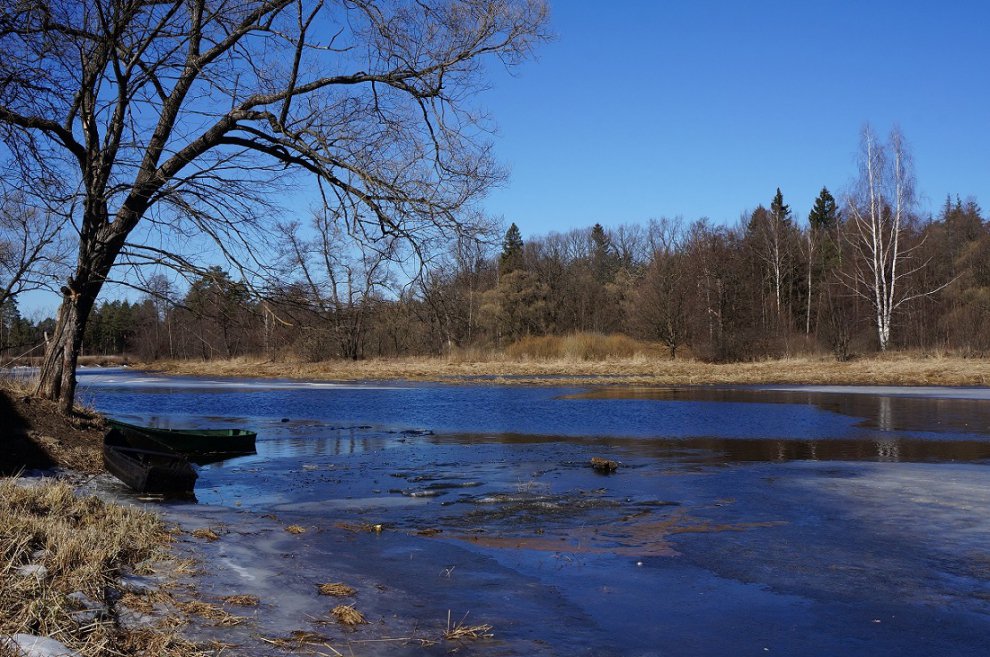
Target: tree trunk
{"x": 57, "y": 379}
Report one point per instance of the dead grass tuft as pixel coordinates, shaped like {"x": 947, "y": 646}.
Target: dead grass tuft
{"x": 337, "y": 589}
{"x": 298, "y": 639}
{"x": 461, "y": 632}
{"x": 348, "y": 615}
{"x": 207, "y": 533}
{"x": 220, "y": 616}
{"x": 296, "y": 529}
{"x": 242, "y": 600}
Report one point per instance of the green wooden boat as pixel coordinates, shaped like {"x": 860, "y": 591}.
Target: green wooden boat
{"x": 188, "y": 441}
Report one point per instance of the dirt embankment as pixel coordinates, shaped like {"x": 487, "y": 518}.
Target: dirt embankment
{"x": 34, "y": 435}
{"x": 893, "y": 369}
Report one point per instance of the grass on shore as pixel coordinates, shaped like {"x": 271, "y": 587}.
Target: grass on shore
{"x": 640, "y": 369}
{"x": 55, "y": 544}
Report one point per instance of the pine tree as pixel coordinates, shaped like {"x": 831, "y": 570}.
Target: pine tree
{"x": 823, "y": 249}
{"x": 825, "y": 213}
{"x": 512, "y": 250}
{"x": 605, "y": 260}
{"x": 780, "y": 212}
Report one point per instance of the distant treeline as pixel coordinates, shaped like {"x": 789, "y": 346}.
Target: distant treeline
{"x": 765, "y": 287}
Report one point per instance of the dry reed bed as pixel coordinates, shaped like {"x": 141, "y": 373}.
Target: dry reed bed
{"x": 641, "y": 369}
{"x": 82, "y": 545}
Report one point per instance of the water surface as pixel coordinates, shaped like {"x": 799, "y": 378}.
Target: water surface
{"x": 810, "y": 521}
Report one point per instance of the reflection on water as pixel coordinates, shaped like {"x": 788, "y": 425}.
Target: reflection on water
{"x": 890, "y": 409}
{"x": 741, "y": 450}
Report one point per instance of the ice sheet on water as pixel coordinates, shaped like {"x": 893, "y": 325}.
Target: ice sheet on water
{"x": 106, "y": 380}
{"x": 931, "y": 392}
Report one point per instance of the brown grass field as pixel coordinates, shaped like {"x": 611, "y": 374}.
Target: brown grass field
{"x": 640, "y": 369}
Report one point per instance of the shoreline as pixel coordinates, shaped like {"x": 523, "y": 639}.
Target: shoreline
{"x": 894, "y": 369}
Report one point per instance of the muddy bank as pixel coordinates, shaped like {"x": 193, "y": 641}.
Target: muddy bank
{"x": 35, "y": 436}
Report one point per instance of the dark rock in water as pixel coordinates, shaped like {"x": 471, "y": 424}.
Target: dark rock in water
{"x": 285, "y": 419}
{"x": 603, "y": 466}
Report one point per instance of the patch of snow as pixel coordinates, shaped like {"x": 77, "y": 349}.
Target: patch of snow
{"x": 28, "y": 645}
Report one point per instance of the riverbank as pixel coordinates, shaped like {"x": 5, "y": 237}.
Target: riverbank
{"x": 83, "y": 572}
{"x": 893, "y": 369}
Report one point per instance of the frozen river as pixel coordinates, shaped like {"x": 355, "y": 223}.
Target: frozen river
{"x": 748, "y": 521}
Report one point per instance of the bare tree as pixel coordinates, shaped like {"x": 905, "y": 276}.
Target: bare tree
{"x": 30, "y": 248}
{"x": 662, "y": 298}
{"x": 342, "y": 277}
{"x": 771, "y": 236}
{"x": 169, "y": 120}
{"x": 879, "y": 220}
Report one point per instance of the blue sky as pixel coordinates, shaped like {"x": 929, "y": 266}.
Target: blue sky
{"x": 645, "y": 109}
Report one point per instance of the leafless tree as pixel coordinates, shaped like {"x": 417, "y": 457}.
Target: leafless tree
{"x": 342, "y": 277}
{"x": 31, "y": 248}
{"x": 662, "y": 297}
{"x": 167, "y": 120}
{"x": 880, "y": 214}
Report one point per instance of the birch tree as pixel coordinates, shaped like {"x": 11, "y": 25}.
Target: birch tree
{"x": 880, "y": 215}
{"x": 771, "y": 235}
{"x": 157, "y": 123}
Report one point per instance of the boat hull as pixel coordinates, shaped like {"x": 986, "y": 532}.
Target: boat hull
{"x": 188, "y": 441}
{"x": 144, "y": 470}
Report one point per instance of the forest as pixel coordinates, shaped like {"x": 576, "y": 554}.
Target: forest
{"x": 765, "y": 287}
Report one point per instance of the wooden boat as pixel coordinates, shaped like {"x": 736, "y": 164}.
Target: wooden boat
{"x": 145, "y": 470}
{"x": 188, "y": 441}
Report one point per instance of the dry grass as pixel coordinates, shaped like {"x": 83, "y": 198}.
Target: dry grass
{"x": 299, "y": 639}
{"x": 217, "y": 615}
{"x": 241, "y": 600}
{"x": 83, "y": 544}
{"x": 460, "y": 631}
{"x": 348, "y": 615}
{"x": 337, "y": 589}
{"x": 647, "y": 368}
{"x": 580, "y": 347}
{"x": 296, "y": 529}
{"x": 206, "y": 533}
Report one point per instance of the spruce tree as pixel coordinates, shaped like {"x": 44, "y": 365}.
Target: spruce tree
{"x": 512, "y": 250}
{"x": 778, "y": 210}
{"x": 825, "y": 213}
